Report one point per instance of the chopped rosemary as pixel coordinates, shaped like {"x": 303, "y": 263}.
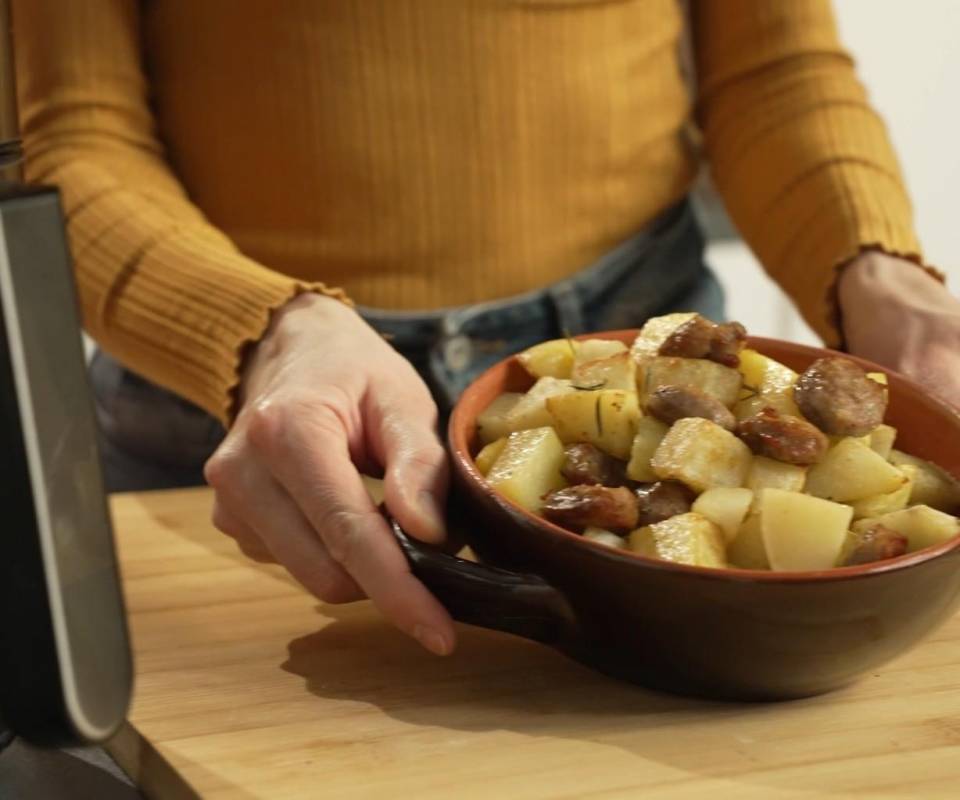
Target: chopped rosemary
{"x": 588, "y": 388}
{"x": 569, "y": 338}
{"x": 599, "y": 417}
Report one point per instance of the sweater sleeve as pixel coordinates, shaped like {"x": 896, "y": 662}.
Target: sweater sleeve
{"x": 802, "y": 161}
{"x": 160, "y": 287}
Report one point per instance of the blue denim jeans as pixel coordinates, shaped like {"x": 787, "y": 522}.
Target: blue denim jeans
{"x": 150, "y": 438}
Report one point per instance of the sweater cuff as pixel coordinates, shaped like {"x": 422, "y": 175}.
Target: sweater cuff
{"x": 195, "y": 309}
{"x": 854, "y": 210}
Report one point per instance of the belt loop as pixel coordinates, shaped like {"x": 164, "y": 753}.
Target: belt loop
{"x": 450, "y": 325}
{"x": 569, "y": 309}
{"x": 449, "y": 358}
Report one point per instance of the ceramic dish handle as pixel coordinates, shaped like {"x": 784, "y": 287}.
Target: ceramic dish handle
{"x": 525, "y": 605}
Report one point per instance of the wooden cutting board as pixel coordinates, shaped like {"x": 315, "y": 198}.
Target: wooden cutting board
{"x": 248, "y": 688}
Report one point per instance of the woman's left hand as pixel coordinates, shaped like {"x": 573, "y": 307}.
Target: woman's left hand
{"x": 896, "y": 314}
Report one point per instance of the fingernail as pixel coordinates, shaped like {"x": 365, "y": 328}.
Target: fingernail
{"x": 432, "y": 639}
{"x": 431, "y": 512}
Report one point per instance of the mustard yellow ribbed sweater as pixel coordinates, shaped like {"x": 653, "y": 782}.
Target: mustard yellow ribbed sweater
{"x": 217, "y": 156}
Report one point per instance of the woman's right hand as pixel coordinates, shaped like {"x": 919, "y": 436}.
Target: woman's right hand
{"x": 323, "y": 396}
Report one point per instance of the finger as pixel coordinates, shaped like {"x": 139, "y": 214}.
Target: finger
{"x": 416, "y": 471}
{"x": 244, "y": 536}
{"x": 310, "y": 458}
{"x": 294, "y": 543}
{"x": 253, "y": 495}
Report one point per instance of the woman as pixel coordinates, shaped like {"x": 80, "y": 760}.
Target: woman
{"x": 476, "y": 175}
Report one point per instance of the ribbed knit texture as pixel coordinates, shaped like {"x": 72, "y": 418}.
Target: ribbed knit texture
{"x": 218, "y": 156}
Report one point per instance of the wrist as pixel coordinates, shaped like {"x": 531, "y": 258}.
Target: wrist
{"x": 874, "y": 283}
{"x": 304, "y": 304}
{"x": 876, "y": 273}
{"x": 884, "y": 301}
{"x": 296, "y": 318}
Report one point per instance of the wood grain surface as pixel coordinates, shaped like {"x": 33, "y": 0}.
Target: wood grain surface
{"x": 248, "y": 688}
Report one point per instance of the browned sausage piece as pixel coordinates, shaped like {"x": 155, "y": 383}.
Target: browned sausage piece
{"x": 700, "y": 338}
{"x": 588, "y": 464}
{"x": 838, "y": 397}
{"x": 662, "y": 500}
{"x": 783, "y": 437}
{"x": 670, "y": 403}
{"x": 877, "y": 543}
{"x": 689, "y": 340}
{"x": 727, "y": 344}
{"x": 578, "y": 507}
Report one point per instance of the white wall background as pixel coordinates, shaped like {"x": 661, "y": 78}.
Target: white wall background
{"x": 908, "y": 56}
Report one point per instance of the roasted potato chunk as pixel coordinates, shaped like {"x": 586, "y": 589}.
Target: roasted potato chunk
{"x": 852, "y": 471}
{"x": 650, "y": 433}
{"x": 618, "y": 371}
{"x": 801, "y": 532}
{"x": 607, "y": 538}
{"x": 489, "y": 454}
{"x": 751, "y": 404}
{"x": 686, "y": 539}
{"x": 880, "y": 504}
{"x": 552, "y": 359}
{"x": 923, "y": 526}
{"x": 881, "y": 440}
{"x": 716, "y": 380}
{"x": 493, "y": 422}
{"x": 528, "y": 468}
{"x": 594, "y": 349}
{"x": 702, "y": 455}
{"x": 932, "y": 486}
{"x": 766, "y": 384}
{"x": 725, "y": 507}
{"x": 763, "y": 374}
{"x": 766, "y": 473}
{"x": 606, "y": 418}
{"x": 747, "y": 550}
{"x": 531, "y": 409}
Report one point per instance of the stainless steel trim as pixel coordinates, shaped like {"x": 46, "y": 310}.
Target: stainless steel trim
{"x": 22, "y": 286}
{"x": 11, "y": 315}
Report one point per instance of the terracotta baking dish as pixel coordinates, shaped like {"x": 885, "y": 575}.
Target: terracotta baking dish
{"x": 733, "y": 634}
